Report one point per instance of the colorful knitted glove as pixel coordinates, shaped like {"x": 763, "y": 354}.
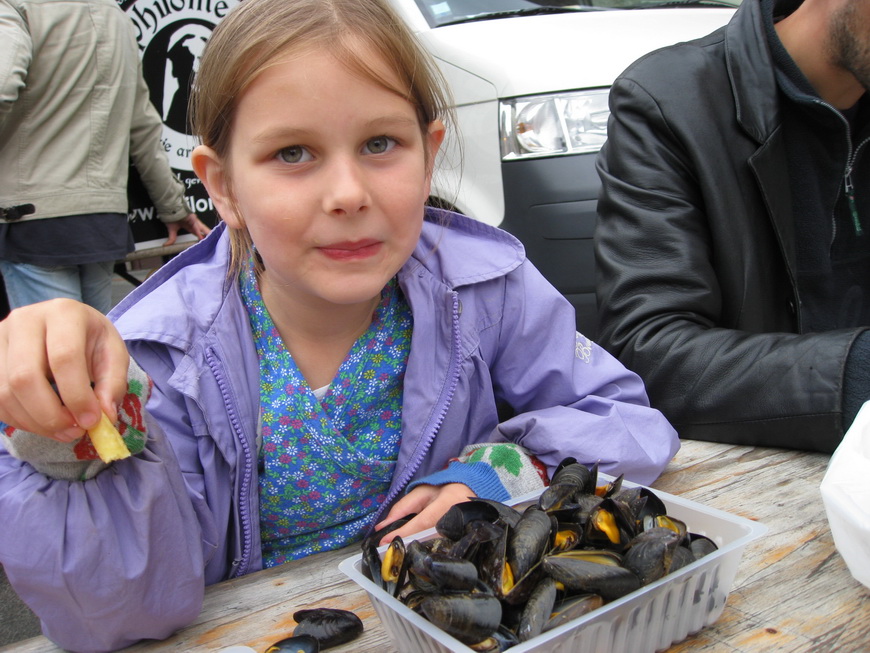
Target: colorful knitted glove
{"x": 78, "y": 461}
{"x": 493, "y": 470}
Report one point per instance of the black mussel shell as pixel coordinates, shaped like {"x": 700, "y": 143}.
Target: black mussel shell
{"x": 530, "y": 540}
{"x": 470, "y": 618}
{"x": 295, "y": 644}
{"x": 592, "y": 572}
{"x": 479, "y": 533}
{"x": 610, "y": 488}
{"x": 455, "y": 521}
{"x": 537, "y": 609}
{"x": 501, "y": 640}
{"x": 650, "y": 555}
{"x": 376, "y": 536}
{"x": 445, "y": 572}
{"x": 701, "y": 545}
{"x": 329, "y": 626}
{"x": 571, "y": 608}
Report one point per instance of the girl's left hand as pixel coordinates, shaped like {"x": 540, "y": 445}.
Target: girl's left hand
{"x": 430, "y": 502}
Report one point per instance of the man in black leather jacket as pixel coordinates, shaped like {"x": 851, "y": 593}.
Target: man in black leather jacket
{"x": 733, "y": 245}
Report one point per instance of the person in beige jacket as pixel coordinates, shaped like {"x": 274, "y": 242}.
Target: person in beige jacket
{"x": 74, "y": 112}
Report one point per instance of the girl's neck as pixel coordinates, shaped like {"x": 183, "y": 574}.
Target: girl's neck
{"x": 318, "y": 336}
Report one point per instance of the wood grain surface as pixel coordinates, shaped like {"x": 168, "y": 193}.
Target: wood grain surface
{"x": 792, "y": 592}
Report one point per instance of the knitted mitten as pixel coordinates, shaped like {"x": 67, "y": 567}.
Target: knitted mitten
{"x": 518, "y": 470}
{"x": 493, "y": 470}
{"x": 78, "y": 460}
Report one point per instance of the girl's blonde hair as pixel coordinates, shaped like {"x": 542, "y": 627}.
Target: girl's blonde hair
{"x": 256, "y": 33}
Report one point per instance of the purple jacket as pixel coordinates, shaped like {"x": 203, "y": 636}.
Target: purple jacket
{"x": 127, "y": 554}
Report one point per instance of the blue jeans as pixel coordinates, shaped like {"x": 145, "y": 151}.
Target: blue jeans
{"x": 90, "y": 283}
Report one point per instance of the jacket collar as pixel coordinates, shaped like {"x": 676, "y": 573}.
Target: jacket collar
{"x": 751, "y": 67}
{"x": 458, "y": 250}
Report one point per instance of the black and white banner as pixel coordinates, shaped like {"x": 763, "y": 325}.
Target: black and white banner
{"x": 171, "y": 36}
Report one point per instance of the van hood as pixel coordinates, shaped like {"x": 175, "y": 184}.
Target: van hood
{"x": 584, "y": 49}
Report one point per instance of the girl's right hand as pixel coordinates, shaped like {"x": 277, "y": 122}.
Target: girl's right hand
{"x": 71, "y": 345}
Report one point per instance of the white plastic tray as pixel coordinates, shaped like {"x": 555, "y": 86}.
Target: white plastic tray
{"x": 650, "y": 619}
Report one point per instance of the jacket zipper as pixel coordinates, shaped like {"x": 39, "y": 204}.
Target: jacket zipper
{"x": 453, "y": 376}
{"x": 850, "y": 198}
{"x": 240, "y": 566}
{"x": 848, "y": 185}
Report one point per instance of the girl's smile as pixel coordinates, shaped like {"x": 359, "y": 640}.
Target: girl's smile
{"x": 352, "y": 250}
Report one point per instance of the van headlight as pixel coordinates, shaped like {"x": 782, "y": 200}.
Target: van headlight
{"x": 553, "y": 124}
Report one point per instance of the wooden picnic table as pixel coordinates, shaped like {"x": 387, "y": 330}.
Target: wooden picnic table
{"x": 792, "y": 591}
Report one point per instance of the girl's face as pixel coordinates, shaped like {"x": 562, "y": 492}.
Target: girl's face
{"x": 329, "y": 173}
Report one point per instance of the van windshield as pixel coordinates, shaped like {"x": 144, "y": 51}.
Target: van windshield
{"x": 450, "y": 12}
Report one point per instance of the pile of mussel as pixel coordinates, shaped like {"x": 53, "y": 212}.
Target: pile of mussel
{"x": 497, "y": 575}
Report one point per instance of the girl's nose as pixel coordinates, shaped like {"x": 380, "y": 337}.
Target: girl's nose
{"x": 347, "y": 192}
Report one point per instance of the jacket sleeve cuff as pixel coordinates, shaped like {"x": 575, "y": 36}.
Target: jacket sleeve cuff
{"x": 480, "y": 477}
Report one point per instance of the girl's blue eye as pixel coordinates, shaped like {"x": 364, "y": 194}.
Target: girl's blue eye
{"x": 294, "y": 154}
{"x": 380, "y": 144}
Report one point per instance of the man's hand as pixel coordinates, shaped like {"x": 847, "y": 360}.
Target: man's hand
{"x": 191, "y": 224}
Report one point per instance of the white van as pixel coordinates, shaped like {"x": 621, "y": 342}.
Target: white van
{"x": 530, "y": 80}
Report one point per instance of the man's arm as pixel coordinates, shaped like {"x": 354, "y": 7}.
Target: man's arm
{"x": 663, "y": 259}
{"x": 15, "y": 56}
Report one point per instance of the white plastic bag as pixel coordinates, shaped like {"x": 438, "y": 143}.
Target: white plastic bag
{"x": 846, "y": 495}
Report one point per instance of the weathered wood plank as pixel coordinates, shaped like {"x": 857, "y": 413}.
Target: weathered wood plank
{"x": 792, "y": 591}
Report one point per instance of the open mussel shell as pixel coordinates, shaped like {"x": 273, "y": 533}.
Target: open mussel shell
{"x": 592, "y": 572}
{"x": 470, "y": 618}
{"x": 479, "y": 534}
{"x": 568, "y": 536}
{"x": 501, "y": 640}
{"x": 295, "y": 644}
{"x": 394, "y": 566}
{"x": 461, "y": 516}
{"x": 665, "y": 521}
{"x": 571, "y": 608}
{"x": 701, "y": 545}
{"x": 609, "y": 488}
{"x": 608, "y": 526}
{"x": 329, "y": 626}
{"x": 498, "y": 575}
{"x": 637, "y": 504}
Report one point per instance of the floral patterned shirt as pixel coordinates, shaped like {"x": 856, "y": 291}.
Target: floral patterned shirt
{"x": 325, "y": 465}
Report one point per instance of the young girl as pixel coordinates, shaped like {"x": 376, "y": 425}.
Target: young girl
{"x": 332, "y": 357}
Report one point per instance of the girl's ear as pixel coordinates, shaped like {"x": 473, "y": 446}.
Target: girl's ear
{"x": 210, "y": 168}
{"x": 435, "y": 137}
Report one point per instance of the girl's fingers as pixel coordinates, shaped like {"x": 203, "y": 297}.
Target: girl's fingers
{"x": 89, "y": 361}
{"x": 27, "y": 399}
{"x": 429, "y": 502}
{"x": 49, "y": 355}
